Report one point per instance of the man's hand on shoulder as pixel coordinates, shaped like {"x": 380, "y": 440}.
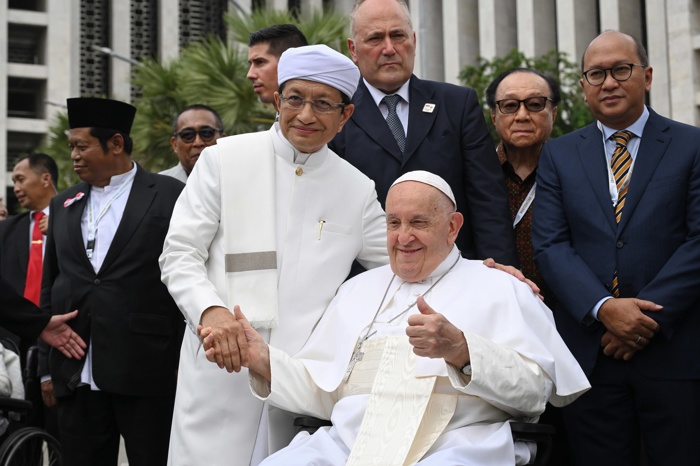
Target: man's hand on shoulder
{"x": 509, "y": 269}
{"x": 228, "y": 342}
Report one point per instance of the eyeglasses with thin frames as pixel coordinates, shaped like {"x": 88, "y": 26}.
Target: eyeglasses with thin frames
{"x": 206, "y": 134}
{"x": 294, "y": 102}
{"x": 620, "y": 72}
{"x": 532, "y": 104}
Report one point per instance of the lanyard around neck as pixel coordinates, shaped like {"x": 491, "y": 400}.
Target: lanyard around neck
{"x": 525, "y": 205}
{"x": 93, "y": 222}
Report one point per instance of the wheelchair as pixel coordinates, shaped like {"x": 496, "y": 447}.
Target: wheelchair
{"x": 22, "y": 445}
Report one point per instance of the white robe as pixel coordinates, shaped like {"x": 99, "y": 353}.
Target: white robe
{"x": 216, "y": 419}
{"x": 518, "y": 360}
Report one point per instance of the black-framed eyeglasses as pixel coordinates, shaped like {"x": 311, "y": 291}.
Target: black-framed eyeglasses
{"x": 294, "y": 102}
{"x": 532, "y": 104}
{"x": 206, "y": 134}
{"x": 620, "y": 72}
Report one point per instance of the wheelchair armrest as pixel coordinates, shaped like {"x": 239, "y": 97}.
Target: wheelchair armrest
{"x": 540, "y": 434}
{"x": 14, "y": 405}
{"x": 310, "y": 424}
{"x": 529, "y": 430}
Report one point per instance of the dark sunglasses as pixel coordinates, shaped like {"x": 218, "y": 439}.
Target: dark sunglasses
{"x": 206, "y": 134}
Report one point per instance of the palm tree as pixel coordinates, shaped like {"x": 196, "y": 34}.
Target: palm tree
{"x": 320, "y": 27}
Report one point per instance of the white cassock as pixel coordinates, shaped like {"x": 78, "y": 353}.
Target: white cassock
{"x": 216, "y": 420}
{"x": 518, "y": 360}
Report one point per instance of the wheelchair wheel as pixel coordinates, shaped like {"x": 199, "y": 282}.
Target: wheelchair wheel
{"x": 30, "y": 446}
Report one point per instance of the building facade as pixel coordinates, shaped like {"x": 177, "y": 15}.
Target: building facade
{"x": 56, "y": 49}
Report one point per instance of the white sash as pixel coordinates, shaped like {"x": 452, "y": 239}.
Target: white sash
{"x": 248, "y": 219}
{"x": 404, "y": 417}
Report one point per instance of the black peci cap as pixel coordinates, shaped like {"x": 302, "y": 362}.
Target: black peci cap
{"x": 91, "y": 112}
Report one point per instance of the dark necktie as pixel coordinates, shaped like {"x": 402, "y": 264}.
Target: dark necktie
{"x": 620, "y": 163}
{"x": 32, "y": 287}
{"x": 393, "y": 120}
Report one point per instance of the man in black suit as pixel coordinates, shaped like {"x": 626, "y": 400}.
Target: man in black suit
{"x": 433, "y": 126}
{"x": 21, "y": 253}
{"x": 101, "y": 258}
{"x": 34, "y": 178}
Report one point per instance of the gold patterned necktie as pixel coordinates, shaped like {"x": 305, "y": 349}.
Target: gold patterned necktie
{"x": 620, "y": 163}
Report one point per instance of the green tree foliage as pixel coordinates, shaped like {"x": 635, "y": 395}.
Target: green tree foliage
{"x": 573, "y": 112}
{"x": 320, "y": 27}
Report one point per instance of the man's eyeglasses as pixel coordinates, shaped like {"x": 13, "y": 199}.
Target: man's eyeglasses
{"x": 206, "y": 134}
{"x": 294, "y": 102}
{"x": 532, "y": 104}
{"x": 620, "y": 72}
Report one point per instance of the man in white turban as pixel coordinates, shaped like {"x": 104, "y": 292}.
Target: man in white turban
{"x": 272, "y": 222}
{"x": 421, "y": 362}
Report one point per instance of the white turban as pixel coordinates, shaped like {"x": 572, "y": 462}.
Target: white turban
{"x": 431, "y": 179}
{"x": 321, "y": 64}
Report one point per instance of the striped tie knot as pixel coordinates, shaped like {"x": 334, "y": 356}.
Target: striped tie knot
{"x": 622, "y": 137}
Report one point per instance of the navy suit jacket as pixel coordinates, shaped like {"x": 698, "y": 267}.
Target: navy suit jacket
{"x": 655, "y": 248}
{"x": 135, "y": 326}
{"x": 452, "y": 141}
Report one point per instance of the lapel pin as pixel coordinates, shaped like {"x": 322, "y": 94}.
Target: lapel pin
{"x": 70, "y": 201}
{"x": 428, "y": 108}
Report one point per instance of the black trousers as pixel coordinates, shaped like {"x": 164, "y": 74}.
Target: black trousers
{"x": 92, "y": 421}
{"x": 624, "y": 408}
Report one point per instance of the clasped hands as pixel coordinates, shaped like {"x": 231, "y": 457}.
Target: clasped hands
{"x": 231, "y": 342}
{"x": 628, "y": 329}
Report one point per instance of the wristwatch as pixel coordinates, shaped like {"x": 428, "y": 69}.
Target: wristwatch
{"x": 467, "y": 369}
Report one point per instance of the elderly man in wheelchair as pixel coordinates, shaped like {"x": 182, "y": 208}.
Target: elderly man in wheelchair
{"x": 424, "y": 361}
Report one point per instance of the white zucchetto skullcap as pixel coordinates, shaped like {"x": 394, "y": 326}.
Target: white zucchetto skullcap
{"x": 321, "y": 64}
{"x": 431, "y": 179}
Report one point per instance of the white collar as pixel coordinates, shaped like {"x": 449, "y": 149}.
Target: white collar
{"x": 117, "y": 180}
{"x": 288, "y": 152}
{"x": 636, "y": 128}
{"x": 378, "y": 95}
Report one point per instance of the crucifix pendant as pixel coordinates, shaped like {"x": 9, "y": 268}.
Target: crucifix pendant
{"x": 356, "y": 356}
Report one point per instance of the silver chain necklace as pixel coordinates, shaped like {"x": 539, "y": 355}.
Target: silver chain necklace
{"x": 358, "y": 354}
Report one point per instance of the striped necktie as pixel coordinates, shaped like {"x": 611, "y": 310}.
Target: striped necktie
{"x": 394, "y": 122}
{"x": 620, "y": 163}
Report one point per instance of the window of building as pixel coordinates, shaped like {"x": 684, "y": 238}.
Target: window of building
{"x": 25, "y": 97}
{"x": 26, "y": 44}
